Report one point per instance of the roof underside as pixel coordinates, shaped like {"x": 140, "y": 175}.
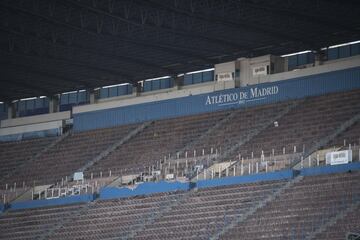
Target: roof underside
{"x": 48, "y": 46}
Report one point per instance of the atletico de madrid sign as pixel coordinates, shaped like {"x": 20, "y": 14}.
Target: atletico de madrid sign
{"x": 252, "y": 94}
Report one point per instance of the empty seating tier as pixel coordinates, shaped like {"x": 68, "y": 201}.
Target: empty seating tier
{"x": 68, "y": 155}
{"x": 297, "y": 210}
{"x": 305, "y": 125}
{"x": 161, "y": 138}
{"x": 301, "y": 209}
{"x": 14, "y": 155}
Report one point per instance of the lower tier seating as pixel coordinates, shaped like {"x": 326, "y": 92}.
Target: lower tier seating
{"x": 301, "y": 209}
{"x": 297, "y": 210}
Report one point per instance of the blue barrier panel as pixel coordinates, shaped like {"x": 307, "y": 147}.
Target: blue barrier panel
{"x": 143, "y": 189}
{"x": 330, "y": 169}
{"x": 2, "y": 208}
{"x": 52, "y": 202}
{"x": 265, "y": 93}
{"x": 285, "y": 174}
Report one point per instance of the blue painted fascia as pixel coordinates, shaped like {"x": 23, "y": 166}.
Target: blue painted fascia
{"x": 143, "y": 189}
{"x": 271, "y": 176}
{"x": 329, "y": 169}
{"x": 84, "y": 198}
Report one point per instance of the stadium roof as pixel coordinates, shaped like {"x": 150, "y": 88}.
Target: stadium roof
{"x": 49, "y": 46}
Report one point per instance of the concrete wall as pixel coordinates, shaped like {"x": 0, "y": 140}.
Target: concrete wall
{"x": 35, "y": 119}
{"x": 31, "y": 128}
{"x": 37, "y": 130}
{"x": 228, "y": 67}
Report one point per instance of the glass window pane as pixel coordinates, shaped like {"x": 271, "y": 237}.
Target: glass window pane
{"x": 72, "y": 98}
{"x": 208, "y": 76}
{"x": 344, "y": 51}
{"x": 147, "y": 86}
{"x": 113, "y": 92}
{"x": 332, "y": 53}
{"x": 188, "y": 79}
{"x": 197, "y": 77}
{"x": 104, "y": 92}
{"x": 155, "y": 84}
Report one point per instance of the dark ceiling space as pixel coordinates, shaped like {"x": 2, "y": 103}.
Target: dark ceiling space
{"x": 53, "y": 46}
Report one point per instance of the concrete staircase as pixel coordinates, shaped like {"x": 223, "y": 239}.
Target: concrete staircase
{"x": 150, "y": 220}
{"x": 218, "y": 125}
{"x": 332, "y": 221}
{"x": 114, "y": 146}
{"x": 245, "y": 139}
{"x": 46, "y": 234}
{"x": 37, "y": 155}
{"x": 325, "y": 140}
{"x": 256, "y": 208}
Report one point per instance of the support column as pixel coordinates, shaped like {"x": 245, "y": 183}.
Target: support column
{"x": 54, "y": 104}
{"x": 178, "y": 82}
{"x": 319, "y": 57}
{"x": 11, "y": 110}
{"x": 137, "y": 89}
{"x": 92, "y": 96}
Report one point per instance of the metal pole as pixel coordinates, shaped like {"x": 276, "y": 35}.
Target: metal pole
{"x": 266, "y": 166}
{"x": 317, "y": 159}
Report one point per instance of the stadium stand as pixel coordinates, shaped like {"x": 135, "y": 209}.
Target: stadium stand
{"x": 207, "y": 210}
{"x": 344, "y": 225}
{"x": 249, "y": 132}
{"x": 30, "y": 224}
{"x": 301, "y": 209}
{"x": 314, "y": 119}
{"x": 67, "y": 156}
{"x": 161, "y": 138}
{"x": 15, "y": 155}
{"x": 263, "y": 210}
{"x": 190, "y": 120}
